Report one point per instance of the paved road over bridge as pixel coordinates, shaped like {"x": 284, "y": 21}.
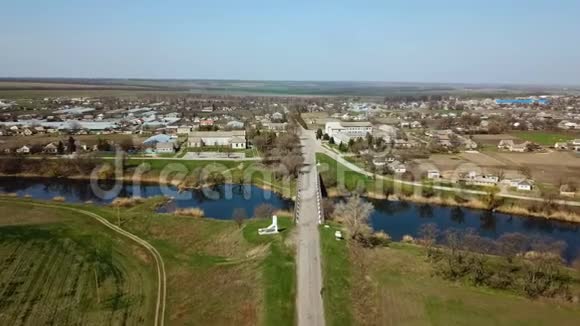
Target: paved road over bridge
{"x": 309, "y": 298}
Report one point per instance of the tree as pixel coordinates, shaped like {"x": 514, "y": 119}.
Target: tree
{"x": 526, "y": 172}
{"x": 72, "y": 147}
{"x": 60, "y": 148}
{"x": 428, "y": 234}
{"x": 331, "y": 140}
{"x": 239, "y": 216}
{"x": 326, "y": 137}
{"x": 264, "y": 211}
{"x": 354, "y": 213}
{"x": 318, "y": 133}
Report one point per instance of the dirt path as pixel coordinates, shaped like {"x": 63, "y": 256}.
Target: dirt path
{"x": 162, "y": 278}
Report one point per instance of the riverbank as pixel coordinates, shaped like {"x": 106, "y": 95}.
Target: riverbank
{"x": 396, "y": 285}
{"x": 335, "y": 173}
{"x": 287, "y": 192}
{"x": 508, "y": 207}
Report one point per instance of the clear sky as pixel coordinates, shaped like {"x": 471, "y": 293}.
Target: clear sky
{"x": 476, "y": 41}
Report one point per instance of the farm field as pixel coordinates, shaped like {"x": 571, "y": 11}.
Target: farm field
{"x": 546, "y": 138}
{"x": 395, "y": 286}
{"x": 218, "y": 273}
{"x": 62, "y": 269}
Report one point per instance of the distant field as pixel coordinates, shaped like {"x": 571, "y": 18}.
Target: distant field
{"x": 271, "y": 88}
{"x": 545, "y": 138}
{"x": 60, "y": 269}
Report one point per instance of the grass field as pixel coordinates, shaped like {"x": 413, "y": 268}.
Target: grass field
{"x": 396, "y": 286}
{"x": 545, "y": 138}
{"x": 59, "y": 269}
{"x": 217, "y": 272}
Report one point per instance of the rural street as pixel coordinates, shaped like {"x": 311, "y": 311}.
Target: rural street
{"x": 309, "y": 298}
{"x": 160, "y": 265}
{"x": 351, "y": 166}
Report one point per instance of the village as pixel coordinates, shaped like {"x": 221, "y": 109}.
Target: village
{"x": 465, "y": 142}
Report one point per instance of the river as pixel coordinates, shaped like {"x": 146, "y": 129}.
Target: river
{"x": 395, "y": 218}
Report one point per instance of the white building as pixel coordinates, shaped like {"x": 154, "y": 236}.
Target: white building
{"x": 165, "y": 147}
{"x": 343, "y": 131}
{"x": 433, "y": 174}
{"x": 233, "y": 139}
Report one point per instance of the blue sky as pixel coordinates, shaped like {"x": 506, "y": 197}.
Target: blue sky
{"x": 509, "y": 41}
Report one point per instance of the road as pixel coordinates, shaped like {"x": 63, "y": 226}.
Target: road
{"x": 160, "y": 265}
{"x": 337, "y": 157}
{"x": 309, "y": 298}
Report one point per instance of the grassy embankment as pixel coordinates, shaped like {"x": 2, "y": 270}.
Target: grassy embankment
{"x": 234, "y": 171}
{"x": 380, "y": 188}
{"x": 396, "y": 286}
{"x": 217, "y": 273}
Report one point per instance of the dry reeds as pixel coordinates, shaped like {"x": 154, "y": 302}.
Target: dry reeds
{"x": 126, "y": 202}
{"x": 191, "y": 212}
{"x": 59, "y": 199}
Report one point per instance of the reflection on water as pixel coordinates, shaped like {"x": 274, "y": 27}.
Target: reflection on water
{"x": 401, "y": 218}
{"x": 216, "y": 202}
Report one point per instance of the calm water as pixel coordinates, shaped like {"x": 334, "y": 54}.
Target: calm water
{"x": 395, "y": 218}
{"x": 401, "y": 218}
{"x": 218, "y": 202}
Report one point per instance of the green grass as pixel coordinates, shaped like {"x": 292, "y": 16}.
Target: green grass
{"x": 545, "y": 138}
{"x": 217, "y": 272}
{"x": 337, "y": 279}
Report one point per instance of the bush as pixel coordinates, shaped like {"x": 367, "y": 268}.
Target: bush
{"x": 264, "y": 211}
{"x": 126, "y": 202}
{"x": 190, "y": 212}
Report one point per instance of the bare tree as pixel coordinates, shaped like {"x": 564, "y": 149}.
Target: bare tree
{"x": 354, "y": 214}
{"x": 239, "y": 216}
{"x": 428, "y": 234}
{"x": 264, "y": 211}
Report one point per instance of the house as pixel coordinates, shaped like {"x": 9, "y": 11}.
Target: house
{"x": 397, "y": 167}
{"x": 235, "y": 124}
{"x": 233, "y": 139}
{"x": 51, "y": 148}
{"x": 513, "y": 147}
{"x": 23, "y": 150}
{"x": 277, "y": 116}
{"x": 27, "y": 132}
{"x": 433, "y": 174}
{"x": 567, "y": 190}
{"x": 522, "y": 184}
{"x": 275, "y": 126}
{"x": 576, "y": 145}
{"x": 208, "y": 122}
{"x": 238, "y": 142}
{"x": 525, "y": 185}
{"x": 184, "y": 130}
{"x": 165, "y": 147}
{"x": 561, "y": 146}
{"x": 401, "y": 143}
{"x": 473, "y": 178}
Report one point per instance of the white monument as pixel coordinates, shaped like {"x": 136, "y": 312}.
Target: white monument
{"x": 272, "y": 229}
